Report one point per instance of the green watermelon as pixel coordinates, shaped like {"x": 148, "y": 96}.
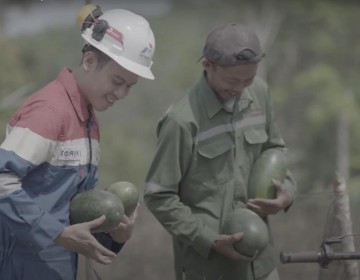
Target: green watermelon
{"x": 256, "y": 234}
{"x": 270, "y": 165}
{"x": 128, "y": 194}
{"x": 89, "y": 205}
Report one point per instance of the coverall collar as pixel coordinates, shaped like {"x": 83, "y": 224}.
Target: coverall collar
{"x": 213, "y": 103}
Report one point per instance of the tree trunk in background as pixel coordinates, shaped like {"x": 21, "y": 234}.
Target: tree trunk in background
{"x": 342, "y": 203}
{"x": 343, "y": 219}
{"x": 343, "y": 143}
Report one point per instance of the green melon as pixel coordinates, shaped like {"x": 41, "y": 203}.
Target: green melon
{"x": 128, "y": 194}
{"x": 89, "y": 205}
{"x": 255, "y": 232}
{"x": 270, "y": 165}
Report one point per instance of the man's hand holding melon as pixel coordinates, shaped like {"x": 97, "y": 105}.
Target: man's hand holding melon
{"x": 123, "y": 231}
{"x": 78, "y": 238}
{"x": 129, "y": 195}
{"x": 113, "y": 210}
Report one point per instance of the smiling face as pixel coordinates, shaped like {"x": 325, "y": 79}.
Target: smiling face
{"x": 229, "y": 81}
{"x": 104, "y": 83}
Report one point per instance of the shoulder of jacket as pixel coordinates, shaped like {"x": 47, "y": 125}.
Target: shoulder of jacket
{"x": 180, "y": 110}
{"x": 180, "y": 115}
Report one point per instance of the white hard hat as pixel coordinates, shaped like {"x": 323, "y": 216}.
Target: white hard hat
{"x": 124, "y": 36}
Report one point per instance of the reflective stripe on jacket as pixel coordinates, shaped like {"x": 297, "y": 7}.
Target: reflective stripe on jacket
{"x": 44, "y": 161}
{"x": 200, "y": 174}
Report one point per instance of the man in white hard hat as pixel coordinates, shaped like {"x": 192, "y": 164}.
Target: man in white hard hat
{"x": 51, "y": 152}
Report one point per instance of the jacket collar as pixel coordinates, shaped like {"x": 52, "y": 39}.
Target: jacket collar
{"x": 66, "y": 78}
{"x": 212, "y": 102}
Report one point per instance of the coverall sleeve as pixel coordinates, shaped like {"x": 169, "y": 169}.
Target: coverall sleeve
{"x": 23, "y": 150}
{"x": 275, "y": 140}
{"x": 161, "y": 194}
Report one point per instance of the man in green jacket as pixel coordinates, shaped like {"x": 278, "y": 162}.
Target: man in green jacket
{"x": 207, "y": 144}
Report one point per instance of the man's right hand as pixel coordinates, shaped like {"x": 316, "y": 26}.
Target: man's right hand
{"x": 224, "y": 245}
{"x": 78, "y": 238}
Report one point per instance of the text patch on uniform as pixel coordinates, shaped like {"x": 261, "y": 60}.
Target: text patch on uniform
{"x": 70, "y": 153}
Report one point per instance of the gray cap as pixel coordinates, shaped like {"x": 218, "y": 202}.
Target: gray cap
{"x": 232, "y": 44}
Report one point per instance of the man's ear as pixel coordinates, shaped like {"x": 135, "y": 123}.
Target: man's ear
{"x": 89, "y": 61}
{"x": 206, "y": 64}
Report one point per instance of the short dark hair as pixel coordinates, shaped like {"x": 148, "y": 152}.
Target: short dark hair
{"x": 102, "y": 58}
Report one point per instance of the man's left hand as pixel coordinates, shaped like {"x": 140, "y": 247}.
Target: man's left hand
{"x": 123, "y": 231}
{"x": 265, "y": 207}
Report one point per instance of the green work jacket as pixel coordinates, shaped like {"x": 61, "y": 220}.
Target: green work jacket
{"x": 200, "y": 173}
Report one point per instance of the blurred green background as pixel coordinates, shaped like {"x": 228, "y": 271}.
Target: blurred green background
{"x": 311, "y": 64}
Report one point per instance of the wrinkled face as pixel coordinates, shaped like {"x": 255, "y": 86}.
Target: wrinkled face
{"x": 106, "y": 84}
{"x": 229, "y": 81}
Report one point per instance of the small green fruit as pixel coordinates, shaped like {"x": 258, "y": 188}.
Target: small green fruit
{"x": 90, "y": 205}
{"x": 128, "y": 194}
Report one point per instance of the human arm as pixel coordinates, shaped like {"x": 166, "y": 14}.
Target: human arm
{"x": 224, "y": 245}
{"x": 267, "y": 207}
{"x": 123, "y": 231}
{"x": 78, "y": 238}
{"x": 24, "y": 151}
{"x": 38, "y": 229}
{"x": 103, "y": 246}
{"x": 285, "y": 190}
{"x": 116, "y": 238}
{"x": 29, "y": 161}
{"x": 169, "y": 166}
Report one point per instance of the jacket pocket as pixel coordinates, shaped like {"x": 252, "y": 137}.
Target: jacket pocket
{"x": 211, "y": 168}
{"x": 214, "y": 162}
{"x": 213, "y": 150}
{"x": 255, "y": 137}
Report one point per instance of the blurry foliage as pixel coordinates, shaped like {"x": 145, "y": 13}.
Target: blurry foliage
{"x": 43, "y": 55}
{"x": 12, "y": 73}
{"x": 314, "y": 77}
{"x": 3, "y": 120}
{"x": 312, "y": 68}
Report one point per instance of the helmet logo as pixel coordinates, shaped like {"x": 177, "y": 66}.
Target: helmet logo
{"x": 146, "y": 52}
